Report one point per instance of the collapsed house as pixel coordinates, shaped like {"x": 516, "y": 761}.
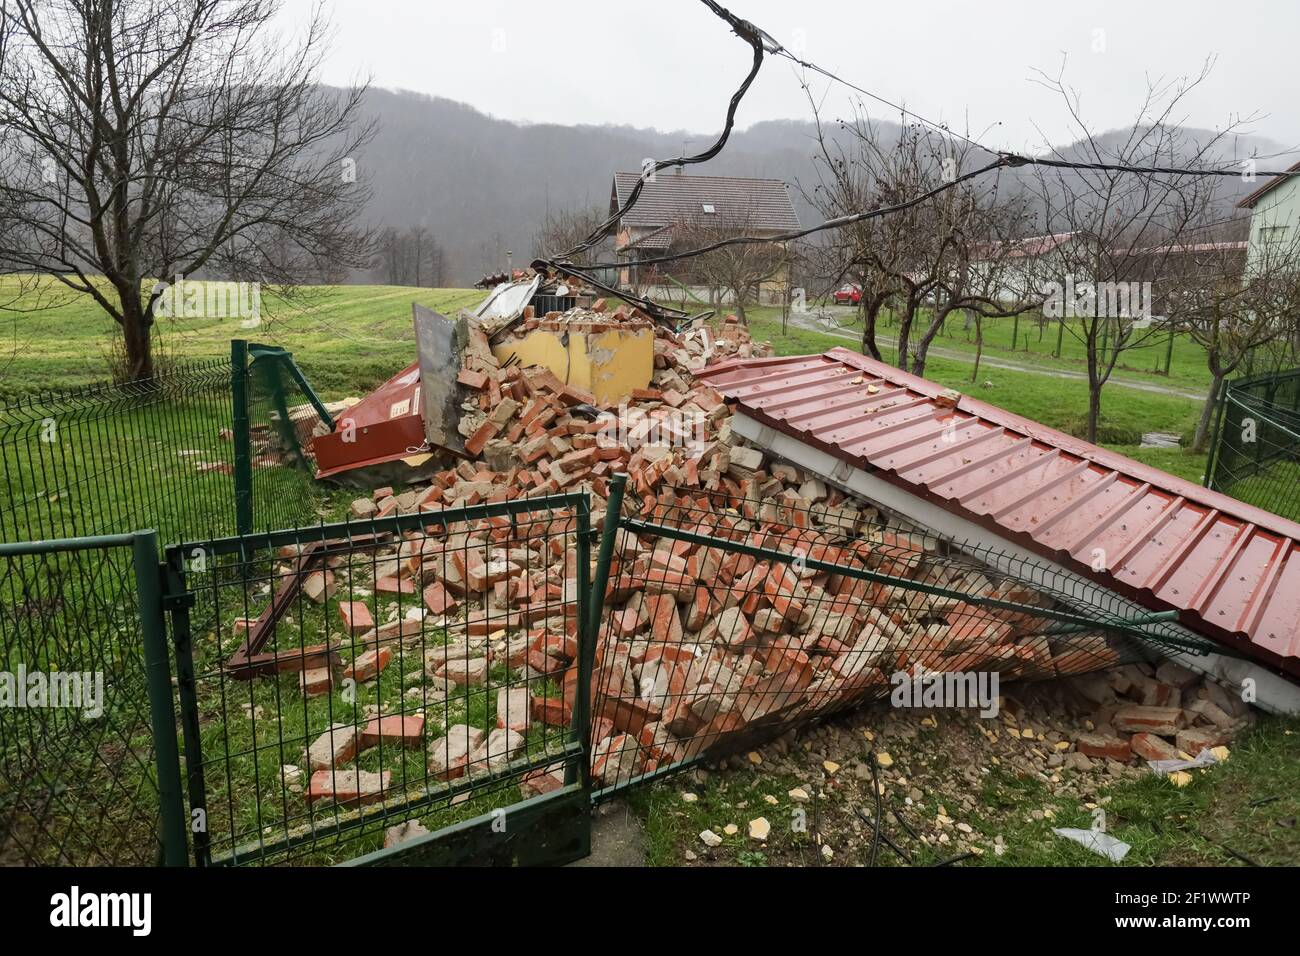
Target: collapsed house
{"x": 702, "y": 649}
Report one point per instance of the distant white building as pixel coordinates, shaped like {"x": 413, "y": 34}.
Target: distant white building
{"x": 1274, "y": 215}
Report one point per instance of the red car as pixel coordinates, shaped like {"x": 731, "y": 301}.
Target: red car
{"x": 847, "y": 295}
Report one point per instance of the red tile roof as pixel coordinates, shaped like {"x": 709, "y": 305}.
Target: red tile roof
{"x": 1231, "y": 570}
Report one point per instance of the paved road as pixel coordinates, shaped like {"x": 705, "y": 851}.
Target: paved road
{"x": 808, "y": 322}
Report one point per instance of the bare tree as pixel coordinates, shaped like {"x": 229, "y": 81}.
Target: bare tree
{"x": 851, "y": 179}
{"x": 737, "y": 270}
{"x": 1127, "y": 228}
{"x": 411, "y": 256}
{"x": 1232, "y": 305}
{"x": 562, "y": 229}
{"x": 169, "y": 138}
{"x": 949, "y": 253}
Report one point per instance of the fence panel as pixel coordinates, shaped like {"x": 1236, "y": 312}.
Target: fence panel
{"x": 728, "y": 621}
{"x": 275, "y": 467}
{"x": 339, "y": 680}
{"x": 84, "y": 694}
{"x": 1256, "y": 454}
{"x": 113, "y": 458}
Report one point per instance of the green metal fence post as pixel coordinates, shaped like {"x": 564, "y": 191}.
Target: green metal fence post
{"x": 177, "y": 600}
{"x": 582, "y": 700}
{"x": 589, "y": 632}
{"x": 242, "y": 439}
{"x": 1169, "y": 351}
{"x": 162, "y": 712}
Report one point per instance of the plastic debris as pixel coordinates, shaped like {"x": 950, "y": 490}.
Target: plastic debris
{"x": 1103, "y": 844}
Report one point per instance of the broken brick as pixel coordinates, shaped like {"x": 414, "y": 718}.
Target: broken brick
{"x": 368, "y": 664}
{"x": 1150, "y": 747}
{"x": 348, "y": 786}
{"x": 406, "y": 731}
{"x": 356, "y": 617}
{"x": 1103, "y": 747}
{"x": 1164, "y": 721}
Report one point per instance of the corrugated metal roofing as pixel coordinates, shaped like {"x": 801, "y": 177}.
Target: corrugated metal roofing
{"x": 761, "y": 204}
{"x": 1231, "y": 570}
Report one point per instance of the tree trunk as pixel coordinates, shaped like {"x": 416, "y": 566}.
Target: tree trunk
{"x": 1094, "y": 411}
{"x": 870, "y": 313}
{"x": 1202, "y": 437}
{"x": 136, "y": 339}
{"x": 905, "y": 332}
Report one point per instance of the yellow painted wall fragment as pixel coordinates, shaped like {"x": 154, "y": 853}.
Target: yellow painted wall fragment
{"x": 609, "y": 364}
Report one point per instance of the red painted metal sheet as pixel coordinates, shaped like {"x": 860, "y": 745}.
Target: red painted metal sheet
{"x": 1230, "y": 569}
{"x": 383, "y": 427}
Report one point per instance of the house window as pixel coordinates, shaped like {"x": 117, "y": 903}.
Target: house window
{"x": 709, "y": 208}
{"x": 1272, "y": 234}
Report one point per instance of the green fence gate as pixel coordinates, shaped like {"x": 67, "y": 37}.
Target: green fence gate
{"x": 88, "y": 760}
{"x": 337, "y": 681}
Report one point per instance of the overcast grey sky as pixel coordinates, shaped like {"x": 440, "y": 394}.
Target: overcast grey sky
{"x": 672, "y": 65}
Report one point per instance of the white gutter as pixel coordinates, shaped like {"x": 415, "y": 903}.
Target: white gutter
{"x": 1272, "y": 693}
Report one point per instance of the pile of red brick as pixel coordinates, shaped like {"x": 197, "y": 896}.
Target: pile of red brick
{"x": 699, "y": 644}
{"x": 1164, "y": 712}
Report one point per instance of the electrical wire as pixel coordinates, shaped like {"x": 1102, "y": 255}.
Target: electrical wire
{"x": 761, "y": 41}
{"x": 837, "y": 222}
{"x": 751, "y": 35}
{"x": 937, "y": 127}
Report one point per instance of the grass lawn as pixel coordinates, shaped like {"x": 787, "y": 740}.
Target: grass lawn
{"x": 348, "y": 338}
{"x": 1036, "y": 343}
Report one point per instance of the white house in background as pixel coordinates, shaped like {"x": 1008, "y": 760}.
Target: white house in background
{"x": 1023, "y": 265}
{"x": 1274, "y": 215}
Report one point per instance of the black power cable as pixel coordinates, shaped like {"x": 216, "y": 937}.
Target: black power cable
{"x": 761, "y": 42}
{"x": 755, "y": 38}
{"x": 837, "y": 222}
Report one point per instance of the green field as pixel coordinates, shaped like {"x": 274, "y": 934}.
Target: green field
{"x": 347, "y": 337}
{"x": 1033, "y": 341}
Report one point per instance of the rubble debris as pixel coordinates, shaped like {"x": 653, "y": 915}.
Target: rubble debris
{"x": 404, "y": 833}
{"x": 702, "y": 650}
{"x": 248, "y": 661}
{"x": 348, "y": 786}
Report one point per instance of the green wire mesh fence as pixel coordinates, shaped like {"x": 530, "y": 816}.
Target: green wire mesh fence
{"x": 352, "y": 677}
{"x": 112, "y": 458}
{"x": 78, "y": 783}
{"x": 728, "y": 621}
{"x": 77, "y": 465}
{"x": 1256, "y": 455}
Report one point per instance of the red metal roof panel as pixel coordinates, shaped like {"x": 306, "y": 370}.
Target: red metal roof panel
{"x": 1230, "y": 569}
